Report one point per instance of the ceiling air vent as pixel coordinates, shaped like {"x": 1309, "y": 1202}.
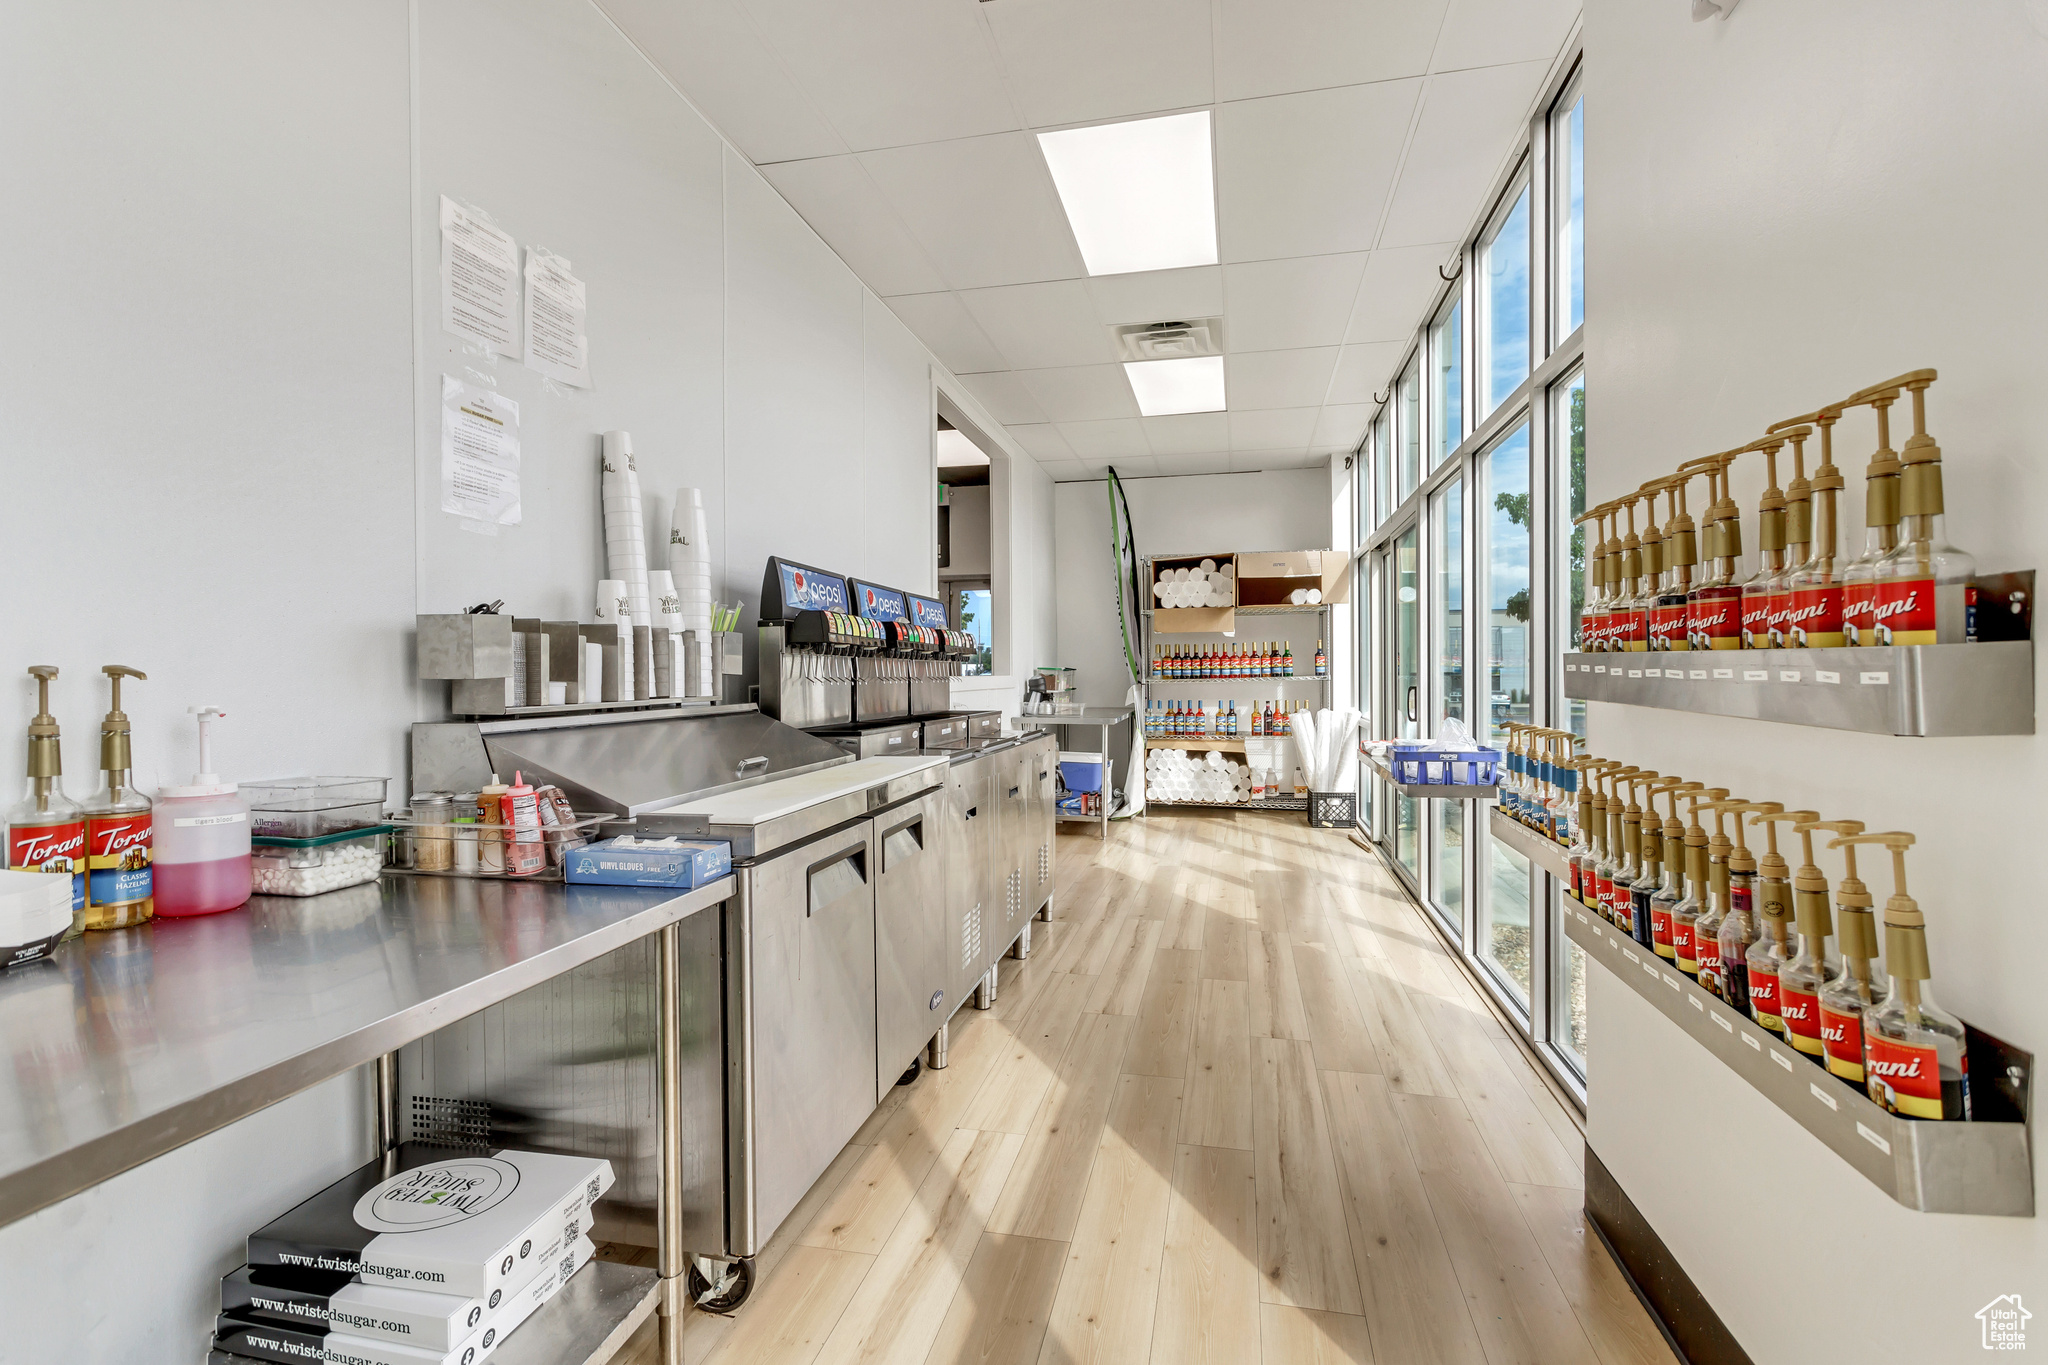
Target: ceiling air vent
{"x": 1169, "y": 340}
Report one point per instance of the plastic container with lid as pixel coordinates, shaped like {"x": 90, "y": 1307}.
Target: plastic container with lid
{"x": 310, "y": 867}
{"x": 201, "y": 834}
{"x": 308, "y": 807}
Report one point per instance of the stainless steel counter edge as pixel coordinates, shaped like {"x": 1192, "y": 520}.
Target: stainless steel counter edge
{"x": 74, "y": 1169}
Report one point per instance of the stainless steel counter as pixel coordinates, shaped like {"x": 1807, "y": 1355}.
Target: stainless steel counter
{"x": 129, "y": 1044}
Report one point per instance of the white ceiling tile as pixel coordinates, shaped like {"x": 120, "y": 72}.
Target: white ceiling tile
{"x": 1470, "y": 121}
{"x": 889, "y": 75}
{"x": 943, "y": 323}
{"x": 1252, "y": 461}
{"x": 843, "y": 206}
{"x": 1041, "y": 441}
{"x": 1042, "y": 325}
{"x": 1284, "y": 305}
{"x": 1340, "y": 426}
{"x": 983, "y": 208}
{"x": 1206, "y": 462}
{"x": 1158, "y": 295}
{"x": 1081, "y": 393}
{"x": 1308, "y": 174}
{"x": 1105, "y": 440}
{"x": 1278, "y": 379}
{"x": 1006, "y": 399}
{"x": 1399, "y": 283}
{"x": 1072, "y": 61}
{"x": 1188, "y": 433}
{"x": 712, "y": 52}
{"x": 1272, "y": 429}
{"x": 1364, "y": 370}
{"x": 1269, "y": 49}
{"x": 1491, "y": 32}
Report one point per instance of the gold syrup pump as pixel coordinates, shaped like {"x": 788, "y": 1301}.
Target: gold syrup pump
{"x": 1774, "y": 947}
{"x": 1715, "y": 972}
{"x": 1716, "y": 601}
{"x": 1880, "y": 521}
{"x": 1925, "y": 587}
{"x": 1671, "y": 886}
{"x": 1915, "y": 1054}
{"x": 1798, "y": 530}
{"x": 45, "y": 744}
{"x": 1859, "y": 988}
{"x": 1811, "y": 970}
{"x": 1630, "y": 625}
{"x": 1649, "y": 846}
{"x": 1632, "y": 908}
{"x": 1668, "y": 624}
{"x": 1653, "y": 565}
{"x": 1610, "y": 575}
{"x": 1813, "y": 585}
{"x": 1760, "y": 591}
{"x": 1696, "y": 904}
{"x": 1610, "y": 865}
{"x": 118, "y": 829}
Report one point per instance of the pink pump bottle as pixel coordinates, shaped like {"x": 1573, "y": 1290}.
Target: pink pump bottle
{"x": 201, "y": 834}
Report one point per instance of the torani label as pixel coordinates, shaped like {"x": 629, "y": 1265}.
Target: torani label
{"x": 1842, "y": 1036}
{"x": 1801, "y": 1012}
{"x": 1902, "y": 611}
{"x": 1903, "y": 1077}
{"x": 117, "y": 858}
{"x": 1814, "y": 619}
{"x": 1858, "y": 599}
{"x": 1763, "y": 1000}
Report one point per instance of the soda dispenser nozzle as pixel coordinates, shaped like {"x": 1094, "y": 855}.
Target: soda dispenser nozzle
{"x": 45, "y": 755}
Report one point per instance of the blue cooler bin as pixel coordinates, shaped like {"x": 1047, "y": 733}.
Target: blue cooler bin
{"x": 1081, "y": 772}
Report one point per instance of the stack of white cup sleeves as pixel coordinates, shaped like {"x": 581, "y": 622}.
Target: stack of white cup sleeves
{"x": 689, "y": 563}
{"x": 615, "y": 607}
{"x": 1173, "y": 775}
{"x": 1206, "y": 585}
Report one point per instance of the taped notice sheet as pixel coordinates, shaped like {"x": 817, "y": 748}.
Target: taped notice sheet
{"x": 556, "y": 344}
{"x": 479, "y": 453}
{"x": 479, "y": 280}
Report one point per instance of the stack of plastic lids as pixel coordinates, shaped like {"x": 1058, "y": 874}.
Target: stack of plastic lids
{"x": 35, "y": 911}
{"x": 1171, "y": 775}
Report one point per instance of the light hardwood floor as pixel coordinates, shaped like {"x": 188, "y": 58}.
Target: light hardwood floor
{"x": 1239, "y": 1106}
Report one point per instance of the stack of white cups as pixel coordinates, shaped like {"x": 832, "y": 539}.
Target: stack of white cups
{"x": 668, "y": 634}
{"x": 689, "y": 563}
{"x": 615, "y": 607}
{"x": 625, "y": 545}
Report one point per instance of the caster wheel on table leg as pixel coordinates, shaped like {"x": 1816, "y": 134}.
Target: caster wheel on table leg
{"x": 725, "y": 1289}
{"x": 916, "y": 1066}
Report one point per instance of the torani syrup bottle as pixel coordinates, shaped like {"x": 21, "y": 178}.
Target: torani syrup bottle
{"x": 1925, "y": 591}
{"x": 1706, "y": 931}
{"x": 1880, "y": 523}
{"x": 1813, "y": 617}
{"x": 1761, "y": 590}
{"x": 1798, "y": 538}
{"x": 1668, "y": 618}
{"x": 117, "y": 827}
{"x": 46, "y": 829}
{"x": 1697, "y": 902}
{"x": 1714, "y": 606}
{"x": 1739, "y": 928}
{"x": 1671, "y": 887}
{"x": 1649, "y": 845}
{"x": 1859, "y": 989}
{"x": 1812, "y": 970}
{"x": 1916, "y": 1058}
{"x": 1771, "y": 900}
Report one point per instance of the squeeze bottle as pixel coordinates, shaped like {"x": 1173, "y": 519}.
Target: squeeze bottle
{"x": 201, "y": 863}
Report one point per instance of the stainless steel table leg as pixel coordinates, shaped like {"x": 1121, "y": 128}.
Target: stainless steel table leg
{"x": 1021, "y": 949}
{"x": 985, "y": 991}
{"x": 1045, "y": 911}
{"x": 670, "y": 1256}
{"x": 935, "y": 1050}
{"x": 385, "y": 1072}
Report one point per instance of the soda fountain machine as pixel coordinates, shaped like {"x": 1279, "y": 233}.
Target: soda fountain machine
{"x": 812, "y": 643}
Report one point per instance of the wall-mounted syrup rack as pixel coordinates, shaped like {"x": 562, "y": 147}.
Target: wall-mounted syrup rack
{"x": 1544, "y": 853}
{"x": 1983, "y": 1166}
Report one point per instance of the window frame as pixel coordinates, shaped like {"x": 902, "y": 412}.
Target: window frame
{"x": 1385, "y": 512}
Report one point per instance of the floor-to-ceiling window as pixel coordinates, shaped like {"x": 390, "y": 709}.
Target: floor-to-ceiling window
{"x": 1477, "y": 466}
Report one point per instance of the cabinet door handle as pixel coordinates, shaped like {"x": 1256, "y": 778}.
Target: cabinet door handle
{"x": 1411, "y": 704}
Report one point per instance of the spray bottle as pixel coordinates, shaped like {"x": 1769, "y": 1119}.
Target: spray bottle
{"x": 117, "y": 826}
{"x": 46, "y": 829}
{"x": 201, "y": 837}
{"x": 1859, "y": 988}
{"x": 1685, "y": 916}
{"x": 1916, "y": 1055}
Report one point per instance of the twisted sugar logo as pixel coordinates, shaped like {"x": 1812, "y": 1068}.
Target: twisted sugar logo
{"x": 436, "y": 1196}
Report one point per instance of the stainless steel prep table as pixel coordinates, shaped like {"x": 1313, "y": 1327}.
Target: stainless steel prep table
{"x": 1101, "y": 719}
{"x": 129, "y": 1044}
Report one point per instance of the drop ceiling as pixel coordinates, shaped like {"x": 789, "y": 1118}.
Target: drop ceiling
{"x": 1354, "y": 141}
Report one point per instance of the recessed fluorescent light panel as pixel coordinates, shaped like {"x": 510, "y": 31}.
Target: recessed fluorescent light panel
{"x": 1139, "y": 195}
{"x": 1166, "y": 387}
{"x": 956, "y": 451}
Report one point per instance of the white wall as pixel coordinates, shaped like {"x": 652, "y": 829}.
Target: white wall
{"x": 1285, "y": 509}
{"x": 1783, "y": 208}
{"x": 221, "y": 442}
